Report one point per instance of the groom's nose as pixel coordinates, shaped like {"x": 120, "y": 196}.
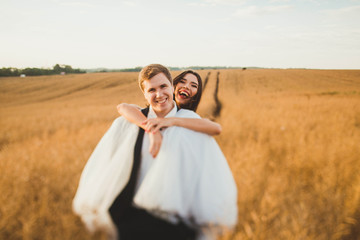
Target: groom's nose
{"x": 158, "y": 93}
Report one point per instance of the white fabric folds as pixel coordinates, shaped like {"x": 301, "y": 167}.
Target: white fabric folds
{"x": 190, "y": 178}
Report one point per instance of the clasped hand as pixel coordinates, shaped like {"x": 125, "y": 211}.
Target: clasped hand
{"x": 152, "y": 126}
{"x": 155, "y": 124}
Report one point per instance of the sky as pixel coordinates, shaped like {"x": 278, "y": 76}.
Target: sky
{"x": 320, "y": 34}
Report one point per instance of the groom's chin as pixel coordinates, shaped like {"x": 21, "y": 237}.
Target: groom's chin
{"x": 163, "y": 109}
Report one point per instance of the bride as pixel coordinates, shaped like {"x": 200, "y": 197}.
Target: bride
{"x": 188, "y": 180}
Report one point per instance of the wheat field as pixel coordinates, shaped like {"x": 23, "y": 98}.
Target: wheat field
{"x": 291, "y": 138}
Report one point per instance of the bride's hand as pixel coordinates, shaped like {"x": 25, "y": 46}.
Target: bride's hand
{"x": 155, "y": 124}
{"x": 155, "y": 143}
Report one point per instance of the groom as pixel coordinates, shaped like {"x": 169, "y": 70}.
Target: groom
{"x": 134, "y": 223}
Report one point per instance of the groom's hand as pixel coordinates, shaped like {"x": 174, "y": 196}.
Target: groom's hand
{"x": 155, "y": 143}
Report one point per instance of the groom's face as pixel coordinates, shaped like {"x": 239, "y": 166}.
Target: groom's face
{"x": 158, "y": 91}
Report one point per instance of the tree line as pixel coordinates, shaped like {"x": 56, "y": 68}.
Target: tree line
{"x": 57, "y": 69}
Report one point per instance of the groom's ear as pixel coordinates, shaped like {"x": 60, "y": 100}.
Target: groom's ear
{"x": 141, "y": 87}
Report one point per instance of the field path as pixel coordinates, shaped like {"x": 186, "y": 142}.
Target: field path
{"x": 206, "y": 80}
{"x": 218, "y": 105}
{"x": 210, "y": 104}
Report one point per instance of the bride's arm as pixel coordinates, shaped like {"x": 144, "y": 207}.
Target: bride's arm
{"x": 134, "y": 115}
{"x": 200, "y": 125}
{"x": 196, "y": 124}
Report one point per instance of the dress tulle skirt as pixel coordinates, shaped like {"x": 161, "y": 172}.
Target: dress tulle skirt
{"x": 190, "y": 179}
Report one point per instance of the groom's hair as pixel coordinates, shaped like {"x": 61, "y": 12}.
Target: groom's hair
{"x": 150, "y": 71}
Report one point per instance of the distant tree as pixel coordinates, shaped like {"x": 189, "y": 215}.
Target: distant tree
{"x": 57, "y": 69}
{"x": 68, "y": 69}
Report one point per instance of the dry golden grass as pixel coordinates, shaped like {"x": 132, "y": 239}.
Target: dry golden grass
{"x": 291, "y": 138}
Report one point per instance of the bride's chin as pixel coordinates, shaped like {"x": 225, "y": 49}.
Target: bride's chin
{"x": 181, "y": 102}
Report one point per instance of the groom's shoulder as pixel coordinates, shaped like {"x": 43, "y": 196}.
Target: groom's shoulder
{"x": 185, "y": 113}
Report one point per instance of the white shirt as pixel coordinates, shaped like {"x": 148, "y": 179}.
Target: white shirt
{"x": 146, "y": 158}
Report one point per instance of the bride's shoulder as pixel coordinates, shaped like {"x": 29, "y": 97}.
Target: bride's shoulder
{"x": 185, "y": 113}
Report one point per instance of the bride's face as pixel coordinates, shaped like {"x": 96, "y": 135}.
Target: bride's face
{"x": 186, "y": 88}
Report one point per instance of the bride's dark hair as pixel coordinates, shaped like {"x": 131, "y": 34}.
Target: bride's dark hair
{"x": 195, "y": 100}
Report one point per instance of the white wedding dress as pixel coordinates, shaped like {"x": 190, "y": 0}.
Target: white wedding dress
{"x": 190, "y": 179}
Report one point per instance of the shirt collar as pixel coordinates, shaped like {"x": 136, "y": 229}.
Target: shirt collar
{"x": 172, "y": 112}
